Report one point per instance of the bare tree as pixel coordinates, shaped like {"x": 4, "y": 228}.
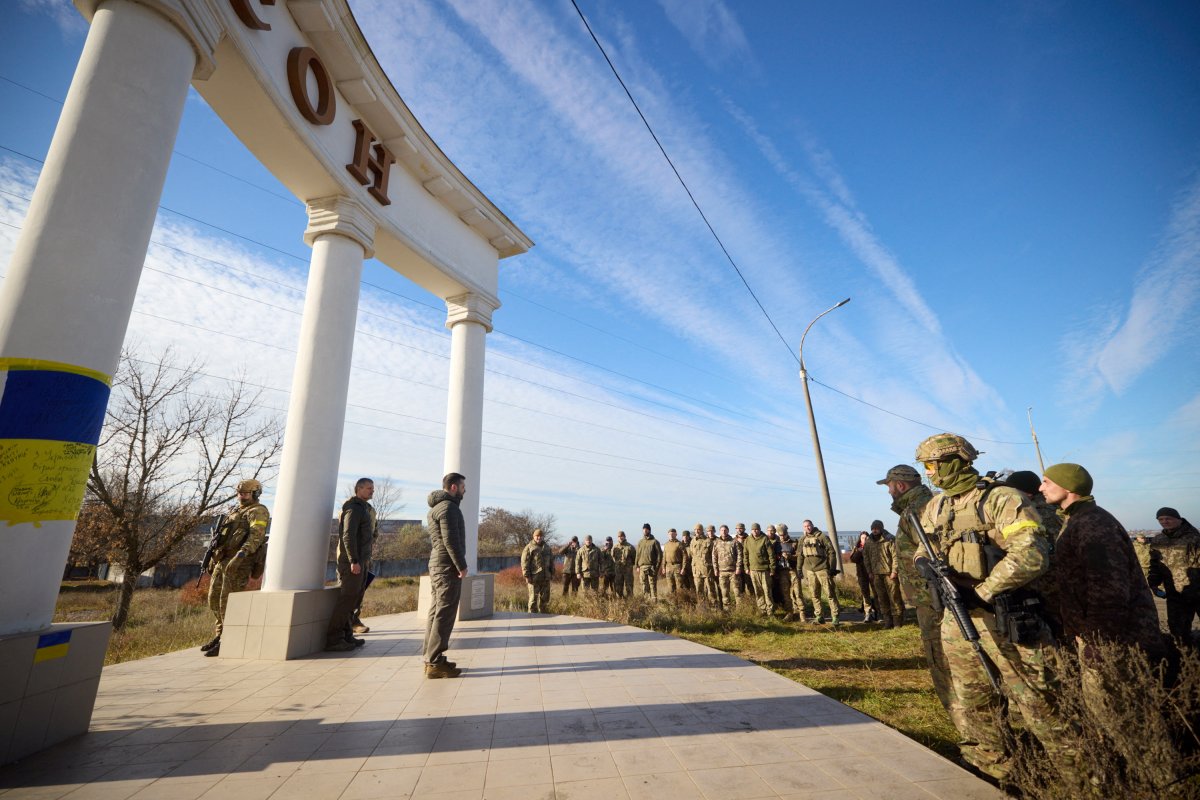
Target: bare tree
{"x": 169, "y": 456}
{"x": 503, "y": 532}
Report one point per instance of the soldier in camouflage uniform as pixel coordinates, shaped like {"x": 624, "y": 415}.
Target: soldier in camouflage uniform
{"x": 623, "y": 556}
{"x": 608, "y": 569}
{"x": 537, "y": 565}
{"x": 702, "y": 567}
{"x": 996, "y": 544}
{"x": 879, "y": 557}
{"x": 909, "y": 493}
{"x": 760, "y": 566}
{"x": 685, "y": 579}
{"x": 648, "y": 560}
{"x": 570, "y": 573}
{"x": 1174, "y": 565}
{"x": 725, "y": 561}
{"x": 241, "y": 535}
{"x": 785, "y": 575}
{"x": 587, "y": 565}
{"x": 674, "y": 556}
{"x": 819, "y": 565}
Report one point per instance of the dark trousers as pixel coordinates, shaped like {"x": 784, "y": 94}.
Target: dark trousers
{"x": 1180, "y": 613}
{"x": 570, "y": 583}
{"x": 447, "y": 589}
{"x": 349, "y": 596}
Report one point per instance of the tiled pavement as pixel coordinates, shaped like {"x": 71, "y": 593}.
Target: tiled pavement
{"x": 548, "y": 707}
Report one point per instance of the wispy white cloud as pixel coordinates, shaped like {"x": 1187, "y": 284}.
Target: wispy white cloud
{"x": 62, "y": 12}
{"x": 711, "y": 30}
{"x": 1165, "y": 296}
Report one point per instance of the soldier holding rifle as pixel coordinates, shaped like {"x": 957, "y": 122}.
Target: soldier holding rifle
{"x": 995, "y": 548}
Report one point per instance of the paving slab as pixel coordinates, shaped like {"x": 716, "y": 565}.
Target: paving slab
{"x": 548, "y": 706}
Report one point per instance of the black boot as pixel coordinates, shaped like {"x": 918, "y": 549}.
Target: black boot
{"x": 215, "y": 651}
{"x": 214, "y": 642}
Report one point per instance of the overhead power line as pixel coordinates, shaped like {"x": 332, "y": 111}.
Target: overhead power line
{"x": 683, "y": 183}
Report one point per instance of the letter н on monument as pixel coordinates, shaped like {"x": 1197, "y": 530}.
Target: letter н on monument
{"x": 379, "y": 164}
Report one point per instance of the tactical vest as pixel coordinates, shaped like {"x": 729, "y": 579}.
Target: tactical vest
{"x": 813, "y": 546}
{"x": 965, "y": 535}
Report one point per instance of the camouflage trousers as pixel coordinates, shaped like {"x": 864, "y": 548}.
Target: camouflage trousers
{"x": 674, "y": 579}
{"x": 1028, "y": 684}
{"x": 818, "y": 582}
{"x": 888, "y": 602}
{"x": 727, "y": 589}
{"x": 706, "y": 586}
{"x": 649, "y": 581}
{"x": 760, "y": 581}
{"x": 623, "y": 581}
{"x": 230, "y": 576}
{"x": 787, "y": 587}
{"x": 539, "y": 595}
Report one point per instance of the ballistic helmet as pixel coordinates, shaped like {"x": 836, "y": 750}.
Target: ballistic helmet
{"x": 943, "y": 445}
{"x": 250, "y": 485}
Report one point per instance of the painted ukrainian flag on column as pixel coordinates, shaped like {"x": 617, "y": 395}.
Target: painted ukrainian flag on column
{"x": 50, "y": 420}
{"x": 52, "y": 645}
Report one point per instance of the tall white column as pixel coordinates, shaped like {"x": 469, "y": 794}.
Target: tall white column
{"x": 341, "y": 235}
{"x": 469, "y": 318}
{"x": 71, "y": 283}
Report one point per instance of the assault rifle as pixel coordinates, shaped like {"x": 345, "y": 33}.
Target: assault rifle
{"x": 211, "y": 552}
{"x": 947, "y": 594}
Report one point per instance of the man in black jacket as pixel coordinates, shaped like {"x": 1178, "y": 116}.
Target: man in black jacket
{"x": 447, "y": 568}
{"x": 356, "y": 533}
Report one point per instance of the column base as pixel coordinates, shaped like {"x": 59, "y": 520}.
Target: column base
{"x": 478, "y": 597}
{"x": 277, "y": 626}
{"x": 48, "y": 684}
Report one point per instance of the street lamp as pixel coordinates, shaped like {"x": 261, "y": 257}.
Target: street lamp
{"x": 812, "y": 425}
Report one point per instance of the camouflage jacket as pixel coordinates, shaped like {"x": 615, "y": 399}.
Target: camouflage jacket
{"x": 702, "y": 563}
{"x": 447, "y": 533}
{"x": 244, "y": 531}
{"x": 908, "y": 547}
{"x": 879, "y": 554}
{"x": 537, "y": 562}
{"x": 787, "y": 553}
{"x": 357, "y": 527}
{"x": 1100, "y": 591}
{"x": 760, "y": 554}
{"x": 607, "y": 568}
{"x": 725, "y": 556}
{"x": 649, "y": 553}
{"x": 1005, "y": 517}
{"x": 1175, "y": 561}
{"x": 623, "y": 555}
{"x": 569, "y": 554}
{"x": 587, "y": 561}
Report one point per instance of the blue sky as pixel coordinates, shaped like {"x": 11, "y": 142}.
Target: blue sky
{"x": 1010, "y": 193}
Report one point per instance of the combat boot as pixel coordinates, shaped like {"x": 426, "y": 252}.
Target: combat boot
{"x": 213, "y": 651}
{"x": 360, "y": 628}
{"x": 440, "y": 670}
{"x": 214, "y": 642}
{"x": 340, "y": 646}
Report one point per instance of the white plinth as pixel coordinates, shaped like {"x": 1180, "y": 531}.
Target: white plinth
{"x": 277, "y": 626}
{"x": 478, "y": 597}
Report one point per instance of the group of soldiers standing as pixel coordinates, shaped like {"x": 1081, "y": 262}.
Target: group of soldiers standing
{"x": 771, "y": 569}
{"x": 1038, "y": 572}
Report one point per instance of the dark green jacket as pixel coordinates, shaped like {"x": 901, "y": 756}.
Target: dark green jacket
{"x": 357, "y": 532}
{"x": 760, "y": 554}
{"x": 649, "y": 553}
{"x": 447, "y": 533}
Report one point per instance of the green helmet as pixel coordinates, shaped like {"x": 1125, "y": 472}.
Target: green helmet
{"x": 250, "y": 485}
{"x": 943, "y": 445}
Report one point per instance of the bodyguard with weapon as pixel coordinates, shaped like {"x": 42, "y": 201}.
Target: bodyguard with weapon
{"x": 237, "y": 548}
{"x": 995, "y": 547}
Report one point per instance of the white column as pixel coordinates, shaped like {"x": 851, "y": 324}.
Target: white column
{"x": 341, "y": 235}
{"x": 469, "y": 318}
{"x": 65, "y": 304}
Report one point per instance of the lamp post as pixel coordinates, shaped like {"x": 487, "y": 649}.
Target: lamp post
{"x": 812, "y": 425}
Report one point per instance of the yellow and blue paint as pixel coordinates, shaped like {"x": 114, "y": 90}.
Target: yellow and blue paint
{"x": 52, "y": 645}
{"x": 50, "y": 419}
